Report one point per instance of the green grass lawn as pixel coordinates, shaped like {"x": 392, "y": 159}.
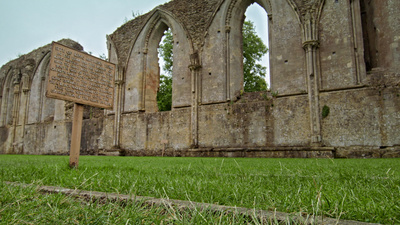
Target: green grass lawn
{"x": 25, "y": 205}
{"x": 357, "y": 189}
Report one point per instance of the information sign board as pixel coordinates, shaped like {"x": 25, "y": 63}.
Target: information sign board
{"x": 81, "y": 78}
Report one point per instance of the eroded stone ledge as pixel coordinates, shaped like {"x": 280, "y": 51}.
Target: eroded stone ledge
{"x": 264, "y": 215}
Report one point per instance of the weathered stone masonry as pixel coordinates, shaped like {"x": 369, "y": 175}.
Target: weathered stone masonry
{"x": 341, "y": 55}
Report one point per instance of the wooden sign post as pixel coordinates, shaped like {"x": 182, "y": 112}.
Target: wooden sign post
{"x": 76, "y": 135}
{"x": 81, "y": 78}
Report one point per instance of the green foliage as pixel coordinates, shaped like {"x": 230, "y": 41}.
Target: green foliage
{"x": 264, "y": 96}
{"x": 325, "y": 111}
{"x": 164, "y": 95}
{"x": 253, "y": 50}
{"x": 166, "y": 51}
{"x": 103, "y": 57}
{"x": 136, "y": 14}
{"x": 274, "y": 94}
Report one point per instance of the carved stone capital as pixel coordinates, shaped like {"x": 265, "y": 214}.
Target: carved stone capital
{"x": 194, "y": 67}
{"x": 228, "y": 29}
{"x": 194, "y": 61}
{"x": 25, "y": 82}
{"x": 119, "y": 82}
{"x": 307, "y": 9}
{"x": 16, "y": 89}
{"x": 311, "y": 44}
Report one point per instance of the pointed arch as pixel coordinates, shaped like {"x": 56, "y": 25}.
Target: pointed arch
{"x": 113, "y": 57}
{"x": 7, "y": 99}
{"x": 3, "y": 95}
{"x": 142, "y": 72}
{"x": 223, "y": 53}
{"x": 238, "y": 8}
{"x": 235, "y": 16}
{"x": 37, "y": 90}
{"x": 48, "y": 104}
{"x": 40, "y": 108}
{"x": 112, "y": 51}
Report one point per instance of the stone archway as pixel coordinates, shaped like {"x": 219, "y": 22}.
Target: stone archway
{"x": 142, "y": 73}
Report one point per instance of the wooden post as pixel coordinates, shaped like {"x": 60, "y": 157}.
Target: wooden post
{"x": 76, "y": 136}
{"x": 100, "y": 82}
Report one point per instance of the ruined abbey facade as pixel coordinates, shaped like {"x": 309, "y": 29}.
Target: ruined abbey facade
{"x": 335, "y": 86}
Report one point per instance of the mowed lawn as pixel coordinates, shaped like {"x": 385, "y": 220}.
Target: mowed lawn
{"x": 366, "y": 190}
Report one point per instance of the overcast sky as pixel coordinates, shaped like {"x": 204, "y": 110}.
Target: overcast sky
{"x": 28, "y": 24}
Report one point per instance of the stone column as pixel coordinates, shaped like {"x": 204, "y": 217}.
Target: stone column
{"x": 227, "y": 63}
{"x": 1, "y": 106}
{"x": 142, "y": 106}
{"x": 2, "y": 88}
{"x": 195, "y": 71}
{"x": 311, "y": 47}
{"x": 15, "y": 110}
{"x": 358, "y": 50}
{"x": 4, "y": 106}
{"x": 308, "y": 14}
{"x": 25, "y": 90}
{"x": 119, "y": 81}
{"x": 42, "y": 92}
{"x": 270, "y": 50}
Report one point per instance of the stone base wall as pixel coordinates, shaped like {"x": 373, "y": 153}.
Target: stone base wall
{"x": 362, "y": 123}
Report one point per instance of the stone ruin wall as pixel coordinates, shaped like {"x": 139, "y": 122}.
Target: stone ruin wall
{"x": 341, "y": 54}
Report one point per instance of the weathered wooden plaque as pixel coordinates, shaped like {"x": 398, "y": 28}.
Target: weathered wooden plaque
{"x": 81, "y": 78}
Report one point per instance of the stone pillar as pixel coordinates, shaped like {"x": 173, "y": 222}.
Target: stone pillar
{"x": 270, "y": 50}
{"x": 4, "y": 107}
{"x": 119, "y": 81}
{"x": 142, "y": 105}
{"x": 309, "y": 14}
{"x": 1, "y": 106}
{"x": 360, "y": 72}
{"x": 195, "y": 71}
{"x": 311, "y": 47}
{"x": 42, "y": 92}
{"x": 15, "y": 110}
{"x": 25, "y": 102}
{"x": 227, "y": 63}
